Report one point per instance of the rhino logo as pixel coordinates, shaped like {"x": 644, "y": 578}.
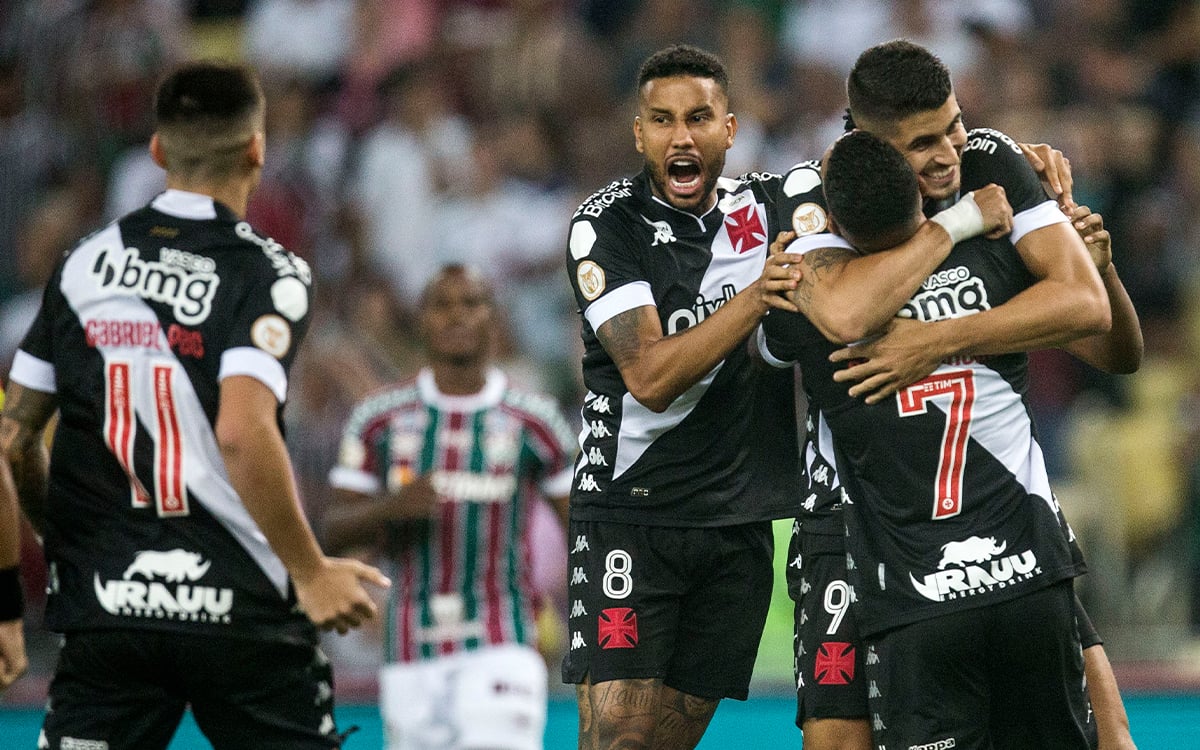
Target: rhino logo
{"x": 175, "y": 566}
{"x": 972, "y": 549}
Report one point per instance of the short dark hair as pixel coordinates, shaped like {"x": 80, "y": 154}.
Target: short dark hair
{"x": 894, "y": 80}
{"x": 870, "y": 190}
{"x": 683, "y": 60}
{"x": 205, "y": 112}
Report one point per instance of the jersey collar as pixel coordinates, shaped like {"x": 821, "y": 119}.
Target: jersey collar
{"x": 489, "y": 396}
{"x": 183, "y": 204}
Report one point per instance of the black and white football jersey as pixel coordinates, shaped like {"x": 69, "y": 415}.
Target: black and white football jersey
{"x": 947, "y": 503}
{"x": 725, "y": 451}
{"x": 138, "y": 326}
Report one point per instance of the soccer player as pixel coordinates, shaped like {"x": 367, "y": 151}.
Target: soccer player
{"x": 181, "y": 568}
{"x": 671, "y": 504}
{"x": 438, "y": 475}
{"x": 1003, "y": 497}
{"x": 13, "y": 660}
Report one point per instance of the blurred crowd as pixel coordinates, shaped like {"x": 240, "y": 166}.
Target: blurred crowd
{"x": 403, "y": 134}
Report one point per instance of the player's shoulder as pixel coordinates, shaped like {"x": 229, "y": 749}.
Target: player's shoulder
{"x": 531, "y": 404}
{"x": 804, "y": 199}
{"x": 613, "y": 202}
{"x": 267, "y": 254}
{"x": 991, "y": 141}
{"x": 381, "y": 403}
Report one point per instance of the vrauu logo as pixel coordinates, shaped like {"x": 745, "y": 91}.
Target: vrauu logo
{"x": 155, "y": 599}
{"x": 961, "y": 574}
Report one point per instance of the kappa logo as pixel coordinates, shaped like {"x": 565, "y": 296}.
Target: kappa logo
{"x": 746, "y": 231}
{"x": 662, "y": 232}
{"x": 600, "y": 405}
{"x": 578, "y": 576}
{"x": 587, "y": 483}
{"x": 834, "y": 663}
{"x": 577, "y": 641}
{"x": 581, "y": 544}
{"x": 617, "y": 628}
{"x": 599, "y": 429}
{"x": 577, "y": 609}
{"x": 595, "y": 457}
{"x": 962, "y": 573}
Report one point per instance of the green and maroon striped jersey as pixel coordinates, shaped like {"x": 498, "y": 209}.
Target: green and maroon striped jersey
{"x": 463, "y": 579}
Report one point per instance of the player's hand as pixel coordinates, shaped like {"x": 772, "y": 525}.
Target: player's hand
{"x": 906, "y": 352}
{"x": 997, "y": 213}
{"x": 413, "y": 500}
{"x": 334, "y": 597}
{"x": 780, "y": 276}
{"x": 13, "y": 661}
{"x": 1091, "y": 230}
{"x": 782, "y": 240}
{"x": 1054, "y": 169}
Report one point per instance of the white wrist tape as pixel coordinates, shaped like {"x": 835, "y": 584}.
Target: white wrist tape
{"x": 961, "y": 221}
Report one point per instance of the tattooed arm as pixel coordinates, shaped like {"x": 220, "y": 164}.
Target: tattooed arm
{"x": 22, "y": 436}
{"x": 849, "y": 296}
{"x": 657, "y": 369}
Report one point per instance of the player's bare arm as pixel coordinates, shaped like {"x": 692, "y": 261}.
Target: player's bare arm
{"x": 1068, "y": 302}
{"x": 357, "y": 519}
{"x": 1120, "y": 350}
{"x": 657, "y": 369}
{"x": 329, "y": 590}
{"x": 849, "y": 297}
{"x": 22, "y": 438}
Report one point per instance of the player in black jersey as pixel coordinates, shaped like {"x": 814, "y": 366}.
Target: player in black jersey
{"x": 670, "y": 554}
{"x": 13, "y": 660}
{"x": 930, "y": 130}
{"x": 182, "y": 571}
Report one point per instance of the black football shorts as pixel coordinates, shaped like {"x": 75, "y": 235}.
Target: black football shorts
{"x": 684, "y": 605}
{"x": 127, "y": 690}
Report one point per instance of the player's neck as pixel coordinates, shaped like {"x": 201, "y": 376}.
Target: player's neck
{"x": 454, "y": 379}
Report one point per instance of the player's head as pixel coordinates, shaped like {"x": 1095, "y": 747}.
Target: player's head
{"x": 901, "y": 92}
{"x": 683, "y": 127}
{"x": 209, "y": 121}
{"x": 871, "y": 192}
{"x": 456, "y": 316}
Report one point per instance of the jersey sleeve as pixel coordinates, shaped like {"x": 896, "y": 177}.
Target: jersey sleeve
{"x": 992, "y": 157}
{"x": 555, "y": 445}
{"x": 606, "y": 274}
{"x": 357, "y": 468}
{"x": 33, "y": 364}
{"x": 266, "y": 328}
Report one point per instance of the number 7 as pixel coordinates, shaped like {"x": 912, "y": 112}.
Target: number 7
{"x": 958, "y": 389}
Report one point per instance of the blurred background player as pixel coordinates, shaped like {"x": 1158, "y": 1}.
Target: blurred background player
{"x": 437, "y": 477}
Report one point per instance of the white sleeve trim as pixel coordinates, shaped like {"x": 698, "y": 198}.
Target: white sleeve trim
{"x": 34, "y": 373}
{"x": 355, "y": 480}
{"x": 760, "y": 339}
{"x": 559, "y": 484}
{"x": 1041, "y": 215}
{"x": 248, "y": 360}
{"x": 628, "y": 297}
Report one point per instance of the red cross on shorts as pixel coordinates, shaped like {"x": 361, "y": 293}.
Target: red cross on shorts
{"x": 618, "y": 628}
{"x": 746, "y": 231}
{"x": 835, "y": 663}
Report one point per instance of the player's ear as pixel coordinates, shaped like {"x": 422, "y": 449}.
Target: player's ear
{"x": 156, "y": 151}
{"x": 256, "y": 151}
{"x": 730, "y": 129}
{"x": 637, "y": 135}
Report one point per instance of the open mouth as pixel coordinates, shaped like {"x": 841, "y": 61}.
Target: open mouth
{"x": 684, "y": 175}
